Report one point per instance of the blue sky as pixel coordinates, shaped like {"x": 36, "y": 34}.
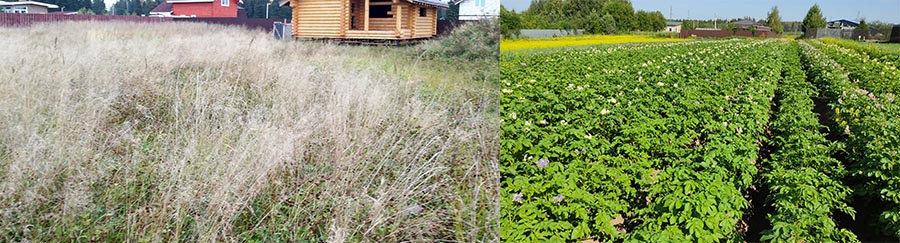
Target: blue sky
{"x": 791, "y": 10}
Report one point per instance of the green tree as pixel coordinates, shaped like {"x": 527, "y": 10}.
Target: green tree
{"x": 659, "y": 21}
{"x": 608, "y": 24}
{"x": 622, "y": 12}
{"x": 774, "y": 21}
{"x": 643, "y": 21}
{"x": 864, "y": 27}
{"x": 98, "y": 6}
{"x": 510, "y": 23}
{"x": 85, "y": 11}
{"x": 813, "y": 19}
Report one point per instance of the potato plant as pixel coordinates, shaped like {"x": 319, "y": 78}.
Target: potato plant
{"x": 861, "y": 93}
{"x": 645, "y": 143}
{"x": 803, "y": 179}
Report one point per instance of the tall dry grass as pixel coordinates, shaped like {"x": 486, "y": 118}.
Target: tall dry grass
{"x": 193, "y": 132}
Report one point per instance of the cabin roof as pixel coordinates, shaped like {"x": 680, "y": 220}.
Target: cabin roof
{"x": 429, "y": 3}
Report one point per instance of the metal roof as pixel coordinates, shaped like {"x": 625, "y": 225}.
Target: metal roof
{"x": 843, "y": 20}
{"x": 46, "y": 5}
{"x": 432, "y": 3}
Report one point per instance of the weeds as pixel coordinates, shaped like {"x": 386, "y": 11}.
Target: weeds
{"x": 191, "y": 132}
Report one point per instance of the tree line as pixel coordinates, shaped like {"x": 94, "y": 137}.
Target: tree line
{"x": 593, "y": 16}
{"x": 614, "y": 16}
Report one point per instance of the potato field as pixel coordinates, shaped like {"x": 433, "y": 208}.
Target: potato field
{"x": 707, "y": 141}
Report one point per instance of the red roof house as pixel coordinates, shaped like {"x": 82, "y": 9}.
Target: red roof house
{"x": 198, "y": 8}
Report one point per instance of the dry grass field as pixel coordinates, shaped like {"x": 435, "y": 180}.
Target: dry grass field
{"x": 123, "y": 132}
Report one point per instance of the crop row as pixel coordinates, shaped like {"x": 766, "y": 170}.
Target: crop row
{"x": 649, "y": 143}
{"x": 861, "y": 94}
{"x": 803, "y": 179}
{"x": 871, "y": 49}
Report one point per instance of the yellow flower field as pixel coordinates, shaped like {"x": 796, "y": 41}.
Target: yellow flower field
{"x": 519, "y": 44}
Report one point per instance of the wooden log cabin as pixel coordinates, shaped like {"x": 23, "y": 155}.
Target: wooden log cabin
{"x": 364, "y": 19}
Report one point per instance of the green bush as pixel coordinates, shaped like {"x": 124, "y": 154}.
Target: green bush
{"x": 472, "y": 41}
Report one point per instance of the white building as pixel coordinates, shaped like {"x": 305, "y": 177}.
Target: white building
{"x": 26, "y": 7}
{"x": 478, "y": 9}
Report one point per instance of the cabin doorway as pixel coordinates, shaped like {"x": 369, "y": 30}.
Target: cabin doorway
{"x": 380, "y": 15}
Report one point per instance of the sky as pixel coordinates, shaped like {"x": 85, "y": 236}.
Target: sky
{"x": 791, "y": 10}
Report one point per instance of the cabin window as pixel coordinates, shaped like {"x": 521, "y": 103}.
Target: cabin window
{"x": 225, "y": 2}
{"x": 423, "y": 12}
{"x": 380, "y": 11}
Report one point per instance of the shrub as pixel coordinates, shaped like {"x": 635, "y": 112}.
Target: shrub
{"x": 471, "y": 41}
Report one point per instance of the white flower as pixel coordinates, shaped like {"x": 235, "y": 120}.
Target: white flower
{"x": 725, "y": 124}
{"x": 563, "y": 122}
{"x": 660, "y": 84}
{"x": 544, "y": 122}
{"x": 512, "y": 115}
{"x": 604, "y": 111}
{"x": 675, "y": 85}
{"x": 579, "y": 88}
{"x": 506, "y": 91}
{"x": 612, "y": 100}
{"x": 588, "y": 136}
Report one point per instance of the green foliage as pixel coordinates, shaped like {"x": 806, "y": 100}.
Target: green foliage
{"x": 134, "y": 7}
{"x": 473, "y": 41}
{"x": 804, "y": 180}
{"x": 585, "y": 14}
{"x": 650, "y": 143}
{"x": 98, "y": 7}
{"x": 622, "y": 12}
{"x": 594, "y": 24}
{"x": 86, "y": 11}
{"x": 862, "y": 94}
{"x": 608, "y": 24}
{"x": 510, "y": 23}
{"x": 774, "y": 21}
{"x": 813, "y": 19}
{"x": 649, "y": 21}
{"x": 875, "y": 51}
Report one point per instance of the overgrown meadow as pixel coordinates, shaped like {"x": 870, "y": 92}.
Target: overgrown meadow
{"x": 179, "y": 132}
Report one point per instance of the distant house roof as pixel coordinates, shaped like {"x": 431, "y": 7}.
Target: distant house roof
{"x": 844, "y": 21}
{"x": 672, "y": 23}
{"x": 745, "y": 22}
{"x": 46, "y": 5}
{"x": 430, "y": 3}
{"x": 163, "y": 7}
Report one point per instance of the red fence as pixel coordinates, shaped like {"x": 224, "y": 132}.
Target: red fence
{"x": 727, "y": 33}
{"x": 17, "y": 19}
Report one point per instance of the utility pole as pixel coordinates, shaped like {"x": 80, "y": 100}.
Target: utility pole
{"x": 267, "y": 8}
{"x": 670, "y": 12}
{"x": 716, "y": 21}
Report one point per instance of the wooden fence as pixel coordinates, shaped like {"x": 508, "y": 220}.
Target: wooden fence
{"x": 18, "y": 19}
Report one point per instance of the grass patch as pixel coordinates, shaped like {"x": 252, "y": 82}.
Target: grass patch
{"x": 256, "y": 140}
